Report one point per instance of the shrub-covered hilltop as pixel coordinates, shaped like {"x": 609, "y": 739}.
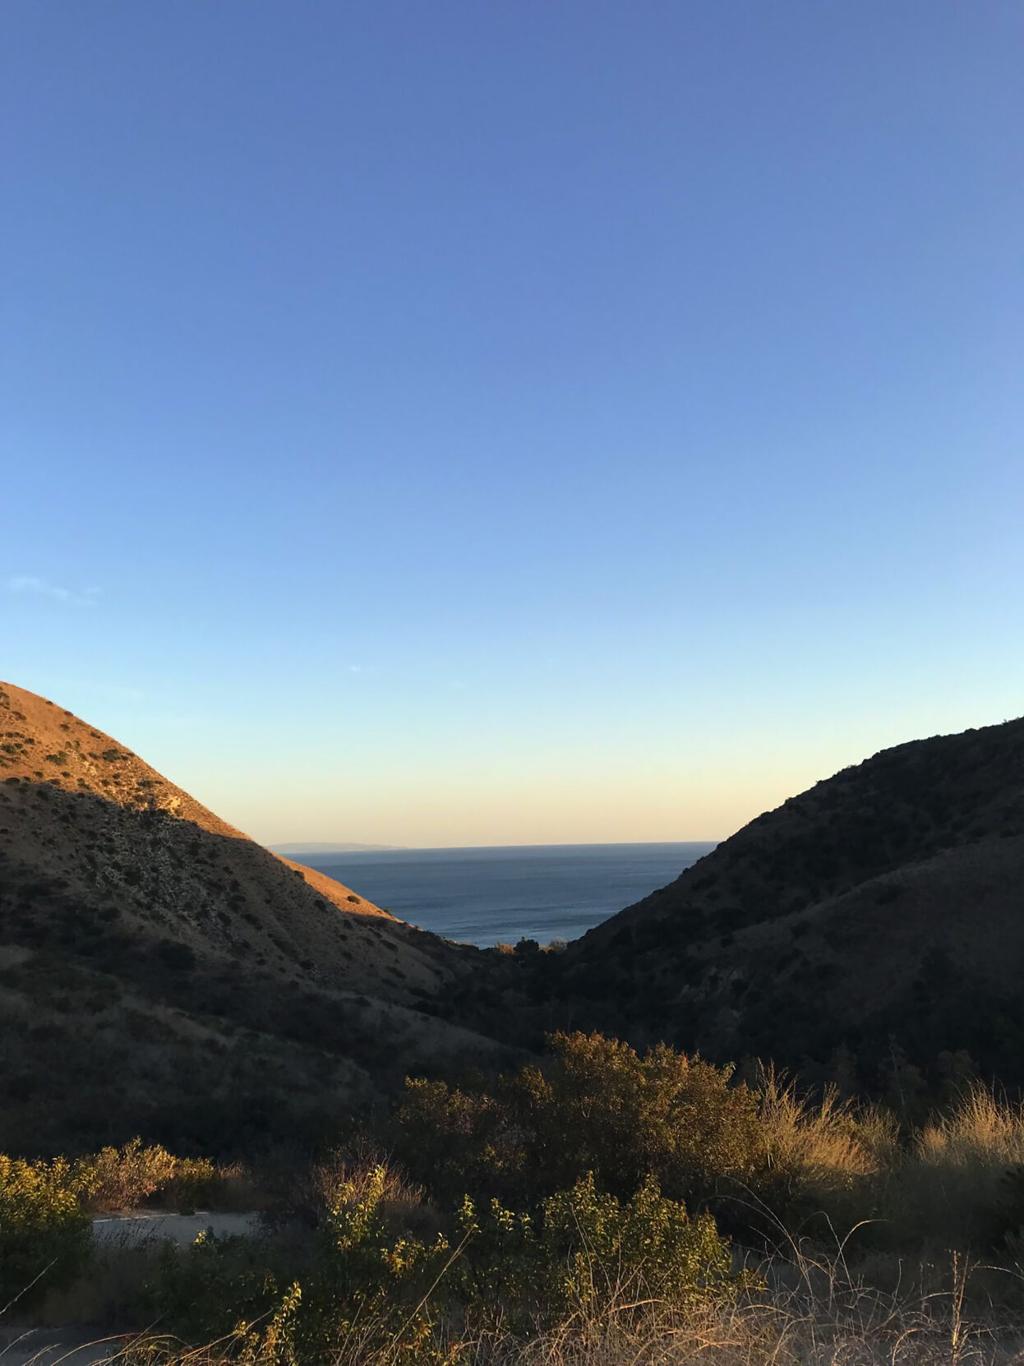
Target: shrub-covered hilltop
{"x": 596, "y": 1205}
{"x": 876, "y": 919}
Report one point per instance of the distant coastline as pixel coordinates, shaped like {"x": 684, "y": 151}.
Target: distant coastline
{"x": 490, "y": 894}
{"x": 311, "y": 847}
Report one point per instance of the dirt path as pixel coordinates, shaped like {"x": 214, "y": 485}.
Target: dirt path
{"x": 140, "y": 1226}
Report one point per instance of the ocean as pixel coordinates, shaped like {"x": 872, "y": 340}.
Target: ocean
{"x": 493, "y": 896}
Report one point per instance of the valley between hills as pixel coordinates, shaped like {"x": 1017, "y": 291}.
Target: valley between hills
{"x": 641, "y": 1146}
{"x": 162, "y": 974}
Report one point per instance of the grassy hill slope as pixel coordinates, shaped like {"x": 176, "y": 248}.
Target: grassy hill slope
{"x": 160, "y": 970}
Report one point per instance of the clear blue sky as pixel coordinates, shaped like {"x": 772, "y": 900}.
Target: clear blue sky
{"x": 480, "y": 423}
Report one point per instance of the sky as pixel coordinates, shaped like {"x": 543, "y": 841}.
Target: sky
{"x": 460, "y": 423}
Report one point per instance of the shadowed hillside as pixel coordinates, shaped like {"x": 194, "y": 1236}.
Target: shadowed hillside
{"x": 157, "y": 966}
{"x": 161, "y": 972}
{"x": 882, "y": 908}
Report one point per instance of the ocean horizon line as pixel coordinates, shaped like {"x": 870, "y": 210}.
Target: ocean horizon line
{"x": 284, "y": 847}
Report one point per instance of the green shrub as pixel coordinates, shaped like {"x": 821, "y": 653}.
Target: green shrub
{"x": 44, "y": 1233}
{"x": 363, "y": 1290}
{"x": 595, "y": 1105}
{"x": 456, "y": 1140}
{"x": 279, "y": 1304}
{"x": 214, "y": 1287}
{"x": 585, "y": 1250}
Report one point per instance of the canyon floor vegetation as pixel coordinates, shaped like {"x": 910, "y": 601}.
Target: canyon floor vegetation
{"x": 596, "y": 1205}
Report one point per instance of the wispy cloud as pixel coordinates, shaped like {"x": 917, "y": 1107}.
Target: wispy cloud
{"x": 28, "y": 583}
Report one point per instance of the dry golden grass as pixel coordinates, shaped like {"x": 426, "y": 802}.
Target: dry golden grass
{"x": 815, "y": 1313}
{"x": 826, "y": 1144}
{"x": 951, "y": 1186}
{"x": 948, "y": 1186}
{"x": 825, "y": 1160}
{"x": 981, "y": 1133}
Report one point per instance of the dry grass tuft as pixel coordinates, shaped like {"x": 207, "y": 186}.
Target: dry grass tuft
{"x": 951, "y": 1186}
{"x": 823, "y": 1157}
{"x": 826, "y": 1143}
{"x": 981, "y": 1133}
{"x": 958, "y": 1183}
{"x": 814, "y": 1313}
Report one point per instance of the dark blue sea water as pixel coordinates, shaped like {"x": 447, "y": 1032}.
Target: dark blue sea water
{"x": 493, "y": 896}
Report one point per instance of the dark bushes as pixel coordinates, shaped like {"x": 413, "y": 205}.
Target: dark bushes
{"x": 594, "y": 1106}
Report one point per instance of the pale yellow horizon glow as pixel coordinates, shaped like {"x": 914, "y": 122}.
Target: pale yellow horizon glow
{"x": 455, "y": 812}
{"x": 300, "y": 787}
